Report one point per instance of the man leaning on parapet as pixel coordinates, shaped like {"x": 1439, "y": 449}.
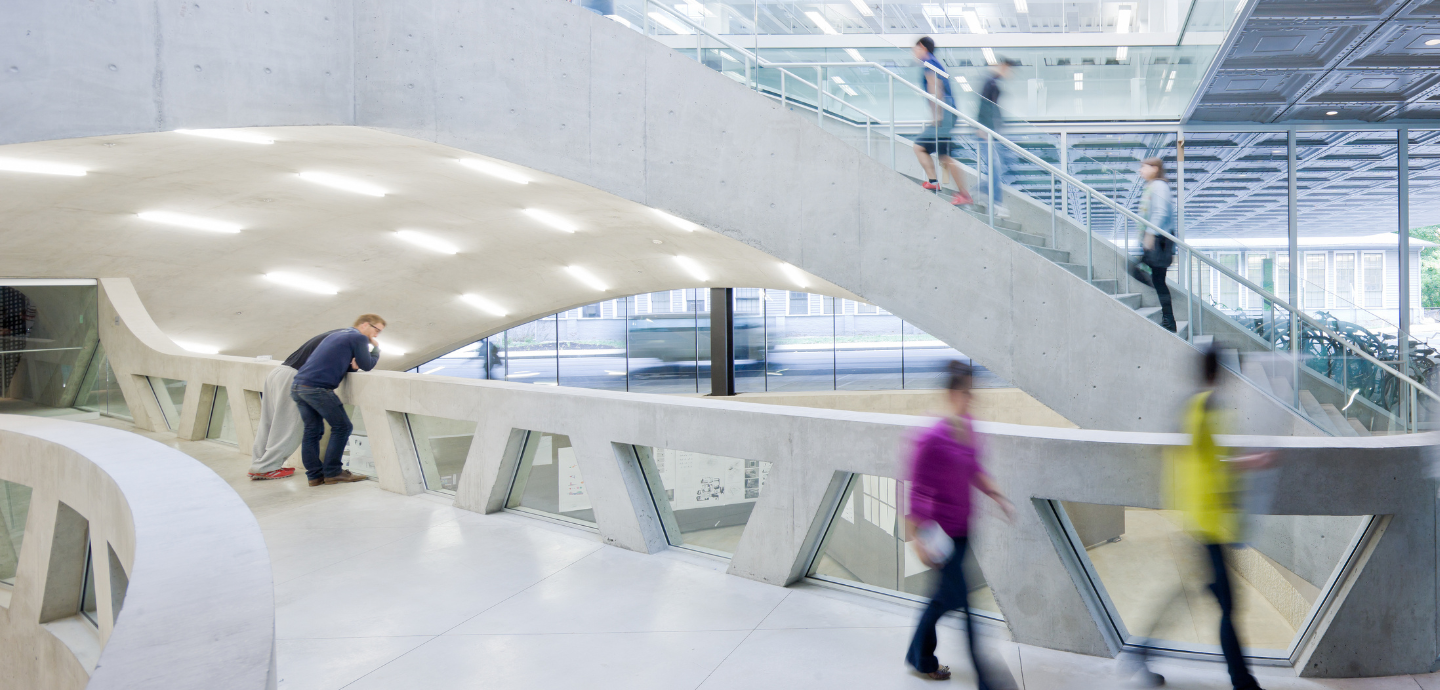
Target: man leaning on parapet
{"x": 277, "y": 435}
{"x": 314, "y": 393}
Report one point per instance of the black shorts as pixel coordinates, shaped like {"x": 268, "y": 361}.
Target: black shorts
{"x": 931, "y": 140}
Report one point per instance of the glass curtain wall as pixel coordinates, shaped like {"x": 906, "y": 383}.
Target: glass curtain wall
{"x": 660, "y": 343}
{"x": 47, "y": 338}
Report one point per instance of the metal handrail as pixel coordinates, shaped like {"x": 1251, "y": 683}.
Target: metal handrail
{"x": 1068, "y": 179}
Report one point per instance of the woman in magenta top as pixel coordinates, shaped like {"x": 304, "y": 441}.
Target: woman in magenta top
{"x": 944, "y": 466}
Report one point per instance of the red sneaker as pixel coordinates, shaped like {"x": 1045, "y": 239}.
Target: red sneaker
{"x": 932, "y": 186}
{"x": 962, "y": 199}
{"x": 281, "y": 473}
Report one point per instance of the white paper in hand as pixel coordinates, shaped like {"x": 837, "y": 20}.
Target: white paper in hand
{"x": 937, "y": 546}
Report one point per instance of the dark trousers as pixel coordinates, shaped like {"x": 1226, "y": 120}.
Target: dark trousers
{"x": 951, "y": 594}
{"x": 1156, "y": 279}
{"x": 318, "y": 407}
{"x": 1240, "y": 678}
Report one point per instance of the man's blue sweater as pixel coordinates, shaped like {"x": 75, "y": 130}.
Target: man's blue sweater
{"x": 328, "y": 365}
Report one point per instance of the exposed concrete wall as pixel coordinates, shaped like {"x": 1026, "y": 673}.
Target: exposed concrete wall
{"x": 1008, "y": 405}
{"x": 1381, "y": 622}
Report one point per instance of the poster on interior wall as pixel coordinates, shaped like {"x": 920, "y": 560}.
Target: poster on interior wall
{"x": 357, "y": 456}
{"x": 706, "y": 481}
{"x": 572, "y": 487}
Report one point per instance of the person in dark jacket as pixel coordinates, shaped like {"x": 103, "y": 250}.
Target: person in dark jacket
{"x": 314, "y": 394}
{"x": 277, "y": 435}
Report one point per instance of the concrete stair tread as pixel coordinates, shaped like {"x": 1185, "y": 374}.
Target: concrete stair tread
{"x": 1254, "y": 371}
{"x": 1129, "y": 299}
{"x": 1359, "y": 428}
{"x": 1204, "y": 341}
{"x": 1056, "y": 255}
{"x": 1025, "y": 238}
{"x": 1109, "y": 286}
{"x": 1337, "y": 420}
{"x": 1312, "y": 409}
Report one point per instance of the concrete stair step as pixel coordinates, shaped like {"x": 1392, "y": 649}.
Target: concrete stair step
{"x": 1202, "y": 341}
{"x": 1182, "y": 329}
{"x": 1109, "y": 286}
{"x": 1359, "y": 428}
{"x": 1056, "y": 255}
{"x": 1129, "y": 299}
{"x": 1025, "y": 237}
{"x": 1312, "y": 409}
{"x": 1281, "y": 387}
{"x": 1255, "y": 371}
{"x": 1076, "y": 269}
{"x": 980, "y": 213}
{"x": 1337, "y": 420}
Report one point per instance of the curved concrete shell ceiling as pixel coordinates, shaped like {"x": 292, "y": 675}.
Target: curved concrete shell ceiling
{"x": 210, "y": 287}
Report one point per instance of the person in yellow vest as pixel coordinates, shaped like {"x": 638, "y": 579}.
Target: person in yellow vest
{"x": 1203, "y": 483}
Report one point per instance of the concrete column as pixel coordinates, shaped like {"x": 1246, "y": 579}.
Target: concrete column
{"x": 613, "y": 494}
{"x": 722, "y": 347}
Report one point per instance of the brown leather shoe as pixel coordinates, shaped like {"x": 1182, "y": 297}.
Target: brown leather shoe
{"x": 317, "y": 482}
{"x": 345, "y": 476}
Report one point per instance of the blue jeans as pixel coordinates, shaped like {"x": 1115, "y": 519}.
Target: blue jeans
{"x": 319, "y": 406}
{"x": 951, "y": 594}
{"x": 1002, "y": 155}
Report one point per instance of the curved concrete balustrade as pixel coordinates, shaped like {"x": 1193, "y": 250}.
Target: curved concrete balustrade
{"x": 198, "y": 608}
{"x": 1381, "y": 619}
{"x": 550, "y": 86}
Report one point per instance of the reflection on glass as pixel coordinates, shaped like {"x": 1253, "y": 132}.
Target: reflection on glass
{"x": 667, "y": 344}
{"x": 749, "y": 340}
{"x": 99, "y": 391}
{"x": 548, "y": 480}
{"x": 704, "y": 500}
{"x": 442, "y": 445}
{"x": 14, "y": 510}
{"x": 592, "y": 346}
{"x": 47, "y": 333}
{"x": 530, "y": 352}
{"x": 357, "y": 457}
{"x": 87, "y": 591}
{"x": 866, "y": 544}
{"x": 799, "y": 341}
{"x": 221, "y": 427}
{"x": 171, "y": 396}
{"x": 867, "y": 349}
{"x": 1152, "y": 570}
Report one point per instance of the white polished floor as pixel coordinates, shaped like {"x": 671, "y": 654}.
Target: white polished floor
{"x": 376, "y": 590}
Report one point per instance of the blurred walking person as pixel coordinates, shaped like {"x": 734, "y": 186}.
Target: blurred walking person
{"x": 277, "y": 435}
{"x": 944, "y": 467}
{"x": 1203, "y": 483}
{"x": 1157, "y": 205}
{"x": 314, "y": 393}
{"x": 935, "y": 137}
{"x": 990, "y": 117}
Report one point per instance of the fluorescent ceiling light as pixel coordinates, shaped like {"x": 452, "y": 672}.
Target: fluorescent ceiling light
{"x": 1172, "y": 74}
{"x": 17, "y": 165}
{"x": 697, "y": 9}
{"x": 837, "y": 80}
{"x": 192, "y": 222}
{"x": 495, "y": 170}
{"x": 862, "y": 8}
{"x": 301, "y": 283}
{"x": 972, "y": 20}
{"x": 1122, "y": 21}
{"x": 421, "y": 239}
{"x": 228, "y": 135}
{"x": 954, "y": 9}
{"x": 678, "y": 222}
{"x": 854, "y": 54}
{"x": 1021, "y": 7}
{"x": 1169, "y": 85}
{"x": 964, "y": 84}
{"x": 1079, "y": 81}
{"x": 932, "y": 10}
{"x": 989, "y": 56}
{"x": 669, "y": 23}
{"x": 1122, "y": 52}
{"x": 820, "y": 22}
{"x": 795, "y": 275}
{"x": 620, "y": 20}
{"x": 484, "y": 305}
{"x": 694, "y": 269}
{"x": 1433, "y": 42}
{"x": 586, "y": 277}
{"x": 198, "y": 348}
{"x": 551, "y": 219}
{"x": 846, "y": 88}
{"x": 342, "y": 183}
{"x": 1079, "y": 76}
{"x": 726, "y": 55}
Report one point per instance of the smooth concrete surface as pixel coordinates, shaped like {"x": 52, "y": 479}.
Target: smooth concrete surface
{"x": 552, "y": 87}
{"x": 197, "y": 610}
{"x": 1008, "y": 405}
{"x": 1380, "y": 619}
{"x": 436, "y": 598}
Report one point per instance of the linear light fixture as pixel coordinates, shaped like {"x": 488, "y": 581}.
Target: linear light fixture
{"x": 421, "y": 239}
{"x": 1433, "y": 42}
{"x": 586, "y": 277}
{"x": 1332, "y": 112}
{"x": 495, "y": 170}
{"x": 192, "y": 222}
{"x": 678, "y": 222}
{"x": 198, "y": 348}
{"x": 795, "y": 275}
{"x": 1079, "y": 81}
{"x": 989, "y": 56}
{"x": 693, "y": 268}
{"x": 670, "y": 23}
{"x": 862, "y": 8}
{"x": 342, "y": 183}
{"x": 964, "y": 84}
{"x": 972, "y": 20}
{"x": 551, "y": 220}
{"x": 820, "y": 22}
{"x": 1122, "y": 21}
{"x": 727, "y": 56}
{"x": 849, "y": 91}
{"x": 228, "y": 135}
{"x": 301, "y": 283}
{"x": 1021, "y": 7}
{"x": 41, "y": 167}
{"x": 1122, "y": 52}
{"x": 854, "y": 55}
{"x": 484, "y": 305}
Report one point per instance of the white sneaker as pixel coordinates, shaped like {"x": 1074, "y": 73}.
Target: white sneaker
{"x": 1001, "y": 212}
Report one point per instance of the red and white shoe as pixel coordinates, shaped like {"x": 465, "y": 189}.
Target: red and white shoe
{"x": 281, "y": 473}
{"x": 962, "y": 199}
{"x": 932, "y": 186}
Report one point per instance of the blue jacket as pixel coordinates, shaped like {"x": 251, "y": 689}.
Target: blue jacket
{"x": 328, "y": 365}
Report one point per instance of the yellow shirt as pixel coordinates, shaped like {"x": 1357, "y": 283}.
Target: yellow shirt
{"x": 1201, "y": 483}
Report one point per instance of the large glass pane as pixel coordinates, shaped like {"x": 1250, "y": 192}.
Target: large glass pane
{"x": 14, "y": 511}
{"x": 926, "y": 358}
{"x": 592, "y": 346}
{"x": 548, "y": 480}
{"x": 799, "y": 341}
{"x": 221, "y": 426}
{"x": 865, "y": 545}
{"x": 665, "y": 345}
{"x": 357, "y": 457}
{"x": 442, "y": 445}
{"x": 87, "y": 591}
{"x": 867, "y": 348}
{"x": 478, "y": 360}
{"x": 749, "y": 340}
{"x": 171, "y": 396}
{"x": 704, "y": 500}
{"x": 47, "y": 334}
{"x": 530, "y": 354}
{"x": 1156, "y": 576}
